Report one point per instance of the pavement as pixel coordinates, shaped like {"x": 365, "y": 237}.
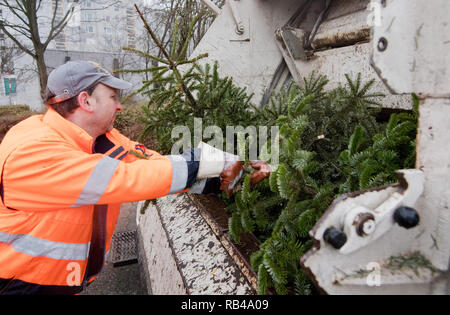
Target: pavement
{"x": 121, "y": 280}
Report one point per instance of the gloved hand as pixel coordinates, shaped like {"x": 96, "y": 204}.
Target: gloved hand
{"x": 231, "y": 174}
{"x": 217, "y": 163}
{"x": 263, "y": 171}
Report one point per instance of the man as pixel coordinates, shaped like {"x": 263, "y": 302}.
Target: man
{"x": 64, "y": 174}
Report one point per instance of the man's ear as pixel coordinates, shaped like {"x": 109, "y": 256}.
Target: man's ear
{"x": 84, "y": 100}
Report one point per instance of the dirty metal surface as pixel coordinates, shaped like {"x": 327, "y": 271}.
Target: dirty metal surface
{"x": 252, "y": 58}
{"x": 394, "y": 279}
{"x": 339, "y": 8}
{"x": 340, "y": 39}
{"x": 411, "y": 45}
{"x": 330, "y": 277}
{"x": 294, "y": 41}
{"x": 335, "y": 63}
{"x": 344, "y": 31}
{"x": 342, "y": 47}
{"x": 156, "y": 256}
{"x": 202, "y": 261}
{"x": 410, "y": 55}
{"x": 214, "y": 212}
{"x": 352, "y": 270}
{"x": 433, "y": 158}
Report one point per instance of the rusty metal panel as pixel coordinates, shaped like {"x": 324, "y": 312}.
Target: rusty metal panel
{"x": 342, "y": 47}
{"x": 335, "y": 63}
{"x": 425, "y": 248}
{"x": 433, "y": 157}
{"x": 213, "y": 211}
{"x": 156, "y": 257}
{"x": 339, "y": 8}
{"x": 343, "y": 31}
{"x": 411, "y": 45}
{"x": 369, "y": 269}
{"x": 253, "y": 57}
{"x": 202, "y": 262}
{"x": 409, "y": 55}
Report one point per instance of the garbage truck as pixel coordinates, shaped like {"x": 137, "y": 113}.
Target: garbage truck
{"x": 402, "y": 44}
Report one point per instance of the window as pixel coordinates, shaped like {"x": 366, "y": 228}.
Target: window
{"x": 131, "y": 42}
{"x": 89, "y": 17}
{"x": 89, "y": 29}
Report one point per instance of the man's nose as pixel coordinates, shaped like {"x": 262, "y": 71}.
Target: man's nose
{"x": 119, "y": 107}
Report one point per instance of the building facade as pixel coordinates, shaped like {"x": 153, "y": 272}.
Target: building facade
{"x": 95, "y": 25}
{"x": 96, "y": 30}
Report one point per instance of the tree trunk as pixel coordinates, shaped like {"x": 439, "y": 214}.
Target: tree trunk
{"x": 42, "y": 70}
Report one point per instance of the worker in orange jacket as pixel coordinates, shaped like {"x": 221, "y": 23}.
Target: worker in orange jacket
{"x": 64, "y": 174}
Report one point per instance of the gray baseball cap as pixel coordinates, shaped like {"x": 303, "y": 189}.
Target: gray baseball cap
{"x": 74, "y": 77}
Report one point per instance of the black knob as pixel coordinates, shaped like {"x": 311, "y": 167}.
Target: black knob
{"x": 335, "y": 237}
{"x": 406, "y": 217}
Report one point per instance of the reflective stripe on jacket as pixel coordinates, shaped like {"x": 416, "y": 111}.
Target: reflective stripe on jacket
{"x": 60, "y": 200}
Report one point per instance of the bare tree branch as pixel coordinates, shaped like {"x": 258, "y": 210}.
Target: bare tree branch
{"x": 102, "y": 8}
{"x": 25, "y": 23}
{"x": 14, "y": 11}
{"x": 55, "y": 30}
{"x": 52, "y": 24}
{"x": 19, "y": 44}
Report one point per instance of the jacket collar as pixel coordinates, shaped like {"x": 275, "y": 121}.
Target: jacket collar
{"x": 69, "y": 130}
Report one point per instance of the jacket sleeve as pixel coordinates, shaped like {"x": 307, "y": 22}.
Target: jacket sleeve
{"x": 210, "y": 186}
{"x": 204, "y": 186}
{"x": 49, "y": 176}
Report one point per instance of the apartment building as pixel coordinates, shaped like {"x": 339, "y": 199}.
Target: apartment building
{"x": 97, "y": 30}
{"x": 96, "y": 25}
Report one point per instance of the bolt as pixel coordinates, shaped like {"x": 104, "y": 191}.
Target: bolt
{"x": 406, "y": 217}
{"x": 335, "y": 237}
{"x": 368, "y": 227}
{"x": 365, "y": 224}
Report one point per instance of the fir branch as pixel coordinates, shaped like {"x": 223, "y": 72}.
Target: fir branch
{"x": 154, "y": 37}
{"x": 263, "y": 280}
{"x": 235, "y": 228}
{"x": 189, "y": 35}
{"x": 175, "y": 39}
{"x": 172, "y": 64}
{"x": 145, "y": 54}
{"x": 201, "y": 56}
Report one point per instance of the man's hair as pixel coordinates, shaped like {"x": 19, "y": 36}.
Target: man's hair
{"x": 68, "y": 106}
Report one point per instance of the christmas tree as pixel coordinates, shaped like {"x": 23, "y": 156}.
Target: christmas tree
{"x": 329, "y": 143}
{"x": 323, "y": 152}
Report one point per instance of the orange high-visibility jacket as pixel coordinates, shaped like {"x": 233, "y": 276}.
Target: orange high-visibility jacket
{"x": 60, "y": 198}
